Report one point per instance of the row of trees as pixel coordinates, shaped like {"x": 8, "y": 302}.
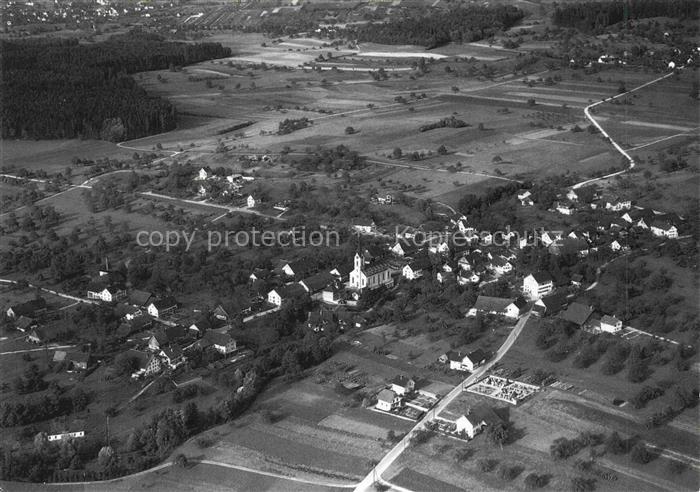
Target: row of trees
{"x": 432, "y": 28}
{"x": 63, "y": 89}
{"x": 596, "y": 16}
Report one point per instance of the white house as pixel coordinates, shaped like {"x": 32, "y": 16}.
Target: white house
{"x": 618, "y": 205}
{"x": 460, "y": 361}
{"x": 223, "y": 343}
{"x": 65, "y": 435}
{"x": 525, "y": 198}
{"x": 664, "y": 229}
{"x": 387, "y": 400}
{"x": 564, "y": 208}
{"x": 203, "y": 175}
{"x": 610, "y": 324}
{"x": 500, "y": 265}
{"x": 364, "y": 226}
{"x": 107, "y": 294}
{"x": 402, "y": 385}
{"x": 538, "y": 284}
{"x": 162, "y": 307}
{"x": 250, "y": 201}
{"x": 475, "y": 420}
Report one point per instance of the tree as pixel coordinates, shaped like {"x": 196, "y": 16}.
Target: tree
{"x": 397, "y": 153}
{"x": 499, "y": 433}
{"x": 181, "y": 460}
{"x": 640, "y": 454}
{"x": 442, "y": 150}
{"x": 349, "y": 130}
{"x": 615, "y": 444}
{"x": 582, "y": 484}
{"x": 535, "y": 481}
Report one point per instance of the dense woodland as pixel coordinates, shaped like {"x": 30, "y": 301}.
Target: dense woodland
{"x": 595, "y": 16}
{"x": 63, "y": 89}
{"x": 432, "y": 29}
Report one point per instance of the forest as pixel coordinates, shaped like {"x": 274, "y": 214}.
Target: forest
{"x": 436, "y": 28}
{"x": 595, "y": 16}
{"x": 62, "y": 89}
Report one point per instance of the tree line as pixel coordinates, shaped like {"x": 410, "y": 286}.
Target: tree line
{"x": 63, "y": 89}
{"x": 595, "y": 16}
{"x": 432, "y": 28}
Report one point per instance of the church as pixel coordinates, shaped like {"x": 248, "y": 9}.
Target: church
{"x": 370, "y": 273}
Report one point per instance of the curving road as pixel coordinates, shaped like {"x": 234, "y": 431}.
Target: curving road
{"x": 375, "y": 475}
{"x": 587, "y": 112}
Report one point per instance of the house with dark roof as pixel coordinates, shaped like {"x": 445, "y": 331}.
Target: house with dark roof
{"x": 461, "y": 361}
{"x": 146, "y": 364}
{"x": 25, "y": 323}
{"x": 286, "y": 293}
{"x": 577, "y": 313}
{"x": 298, "y": 269}
{"x": 402, "y": 385}
{"x": 42, "y": 334}
{"x": 222, "y": 342}
{"x": 549, "y": 305}
{"x": 172, "y": 356}
{"x": 494, "y": 305}
{"x": 78, "y": 360}
{"x": 387, "y": 400}
{"x": 475, "y": 420}
{"x": 140, "y": 298}
{"x": 663, "y": 228}
{"x": 315, "y": 284}
{"x": 104, "y": 290}
{"x": 31, "y": 309}
{"x": 416, "y": 267}
{"x": 162, "y": 307}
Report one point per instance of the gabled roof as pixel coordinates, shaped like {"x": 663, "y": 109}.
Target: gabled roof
{"x": 165, "y": 303}
{"x": 386, "y": 395}
{"x": 401, "y": 380}
{"x": 661, "y": 224}
{"x": 420, "y": 262}
{"x": 542, "y": 277}
{"x": 483, "y": 413}
{"x": 520, "y": 303}
{"x": 316, "y": 283}
{"x": 577, "y": 313}
{"x": 291, "y": 290}
{"x": 301, "y": 266}
{"x": 28, "y": 308}
{"x": 24, "y": 322}
{"x": 218, "y": 338}
{"x": 553, "y": 303}
{"x": 492, "y": 304}
{"x": 78, "y": 357}
{"x": 477, "y": 355}
{"x": 140, "y": 297}
{"x": 609, "y": 320}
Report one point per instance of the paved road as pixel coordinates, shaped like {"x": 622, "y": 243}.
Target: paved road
{"x": 587, "y": 112}
{"x": 381, "y": 467}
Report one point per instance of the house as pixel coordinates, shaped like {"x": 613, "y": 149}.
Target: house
{"x": 464, "y": 278}
{"x": 564, "y": 208}
{"x": 473, "y": 360}
{"x": 31, "y": 309}
{"x": 172, "y": 356}
{"x": 161, "y": 307}
{"x": 165, "y": 336}
{"x": 129, "y": 313}
{"x": 333, "y": 293}
{"x": 285, "y": 293}
{"x": 25, "y": 323}
{"x": 460, "y": 361}
{"x": 525, "y": 198}
{"x": 41, "y": 334}
{"x": 145, "y": 364}
{"x": 576, "y": 279}
{"x": 140, "y": 298}
{"x": 260, "y": 274}
{"x": 662, "y": 228}
{"x": 577, "y": 314}
{"x": 364, "y": 226}
{"x": 402, "y": 385}
{"x": 297, "y": 269}
{"x": 250, "y": 202}
{"x": 204, "y": 174}
{"x": 201, "y": 325}
{"x": 617, "y": 204}
{"x": 475, "y": 420}
{"x": 370, "y": 275}
{"x": 516, "y": 308}
{"x": 640, "y": 217}
{"x": 441, "y": 248}
{"x": 315, "y": 284}
{"x": 610, "y": 324}
{"x": 387, "y": 400}
{"x": 404, "y": 248}
{"x": 549, "y": 305}
{"x": 538, "y": 284}
{"x": 78, "y": 360}
{"x": 67, "y": 434}
{"x": 105, "y": 293}
{"x": 445, "y": 277}
{"x": 415, "y": 268}
{"x": 494, "y": 305}
{"x": 499, "y": 265}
